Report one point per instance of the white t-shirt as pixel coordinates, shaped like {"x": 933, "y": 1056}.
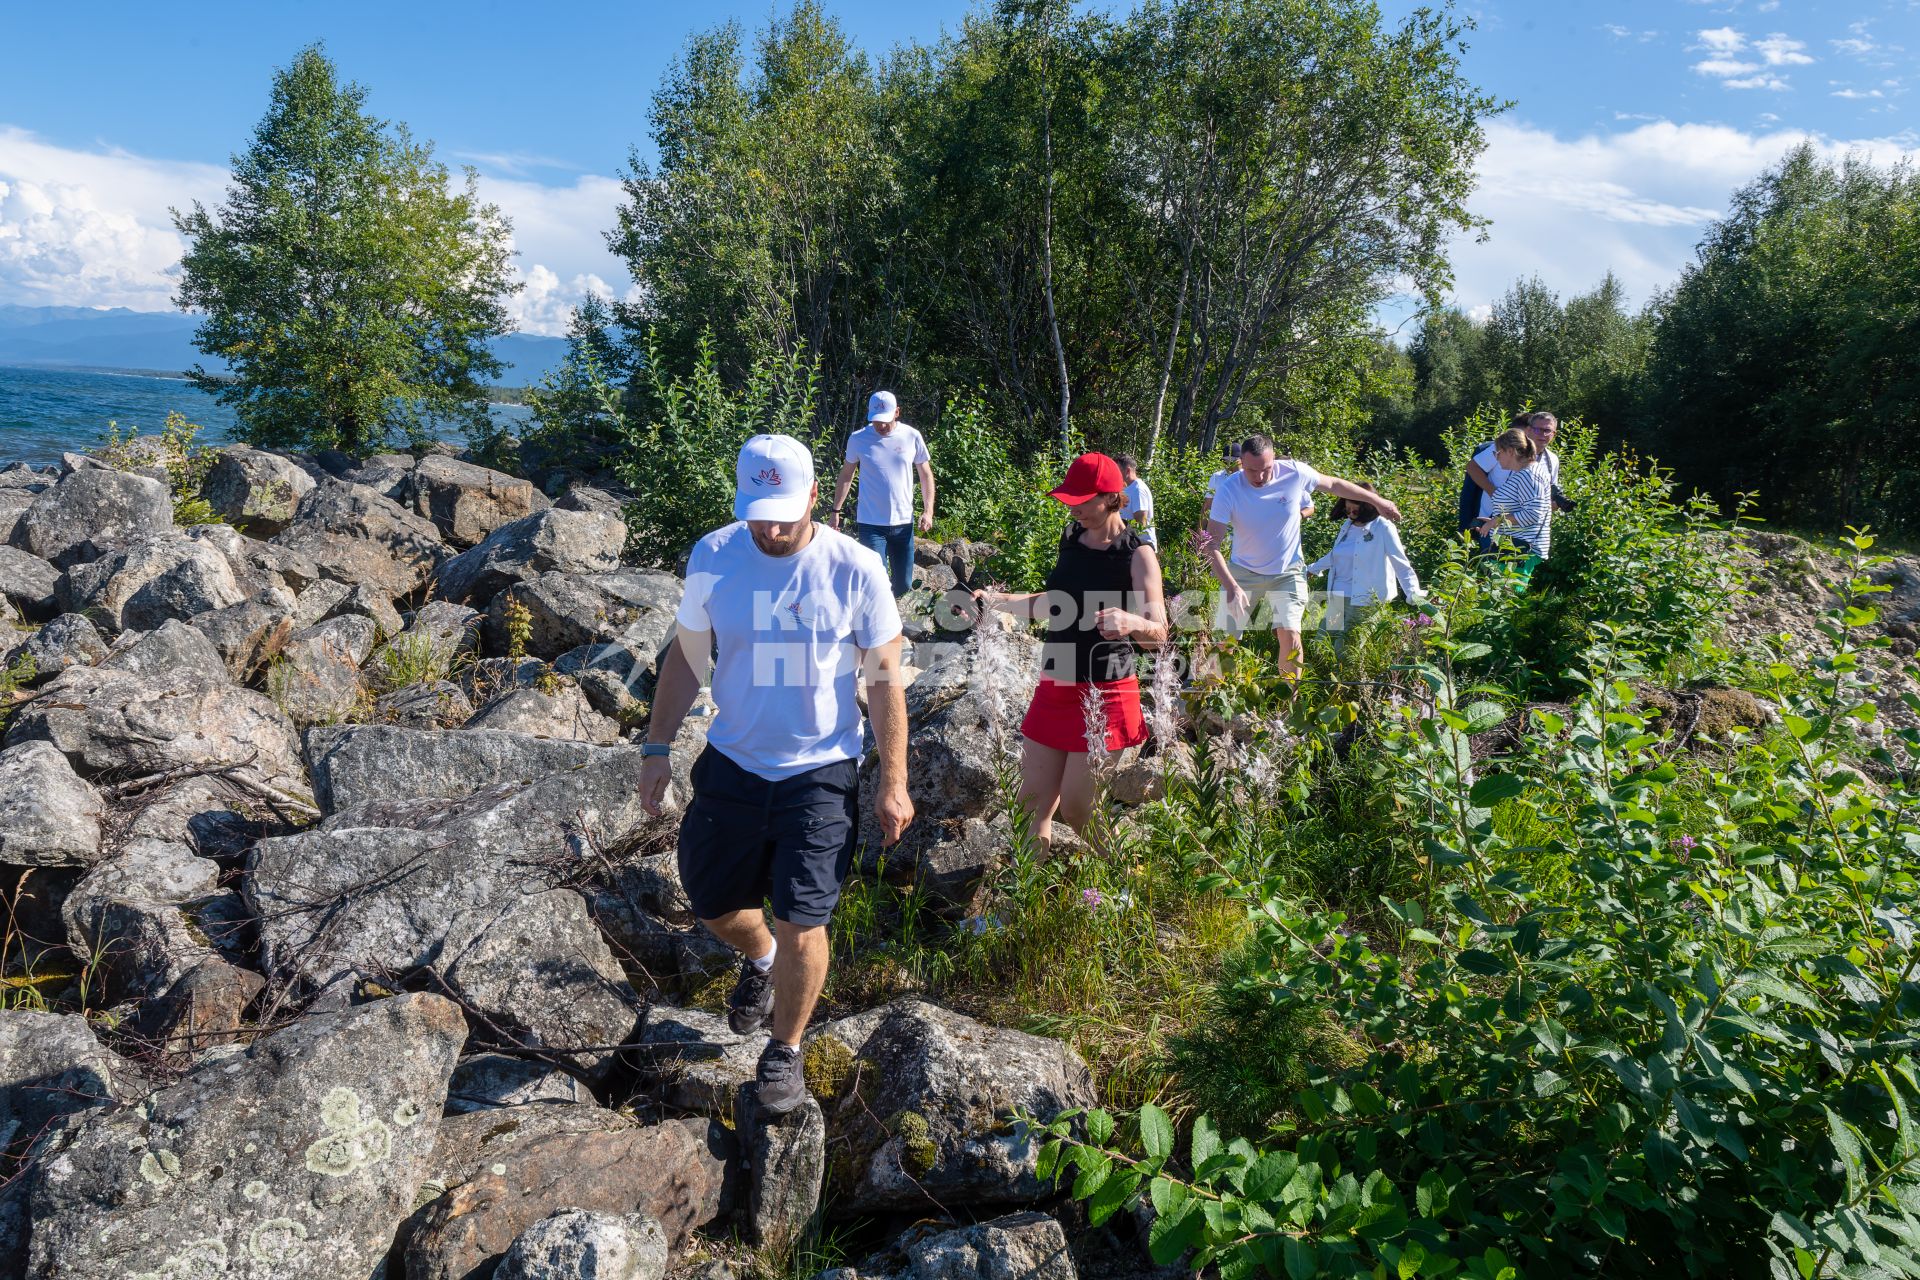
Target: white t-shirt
{"x": 886, "y": 472}
{"x": 786, "y": 628}
{"x": 1496, "y": 473}
{"x": 1266, "y": 520}
{"x": 1139, "y": 500}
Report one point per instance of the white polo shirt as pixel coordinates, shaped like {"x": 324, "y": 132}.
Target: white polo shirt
{"x": 787, "y": 630}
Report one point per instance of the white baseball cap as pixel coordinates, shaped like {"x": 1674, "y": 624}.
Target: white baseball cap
{"x": 882, "y": 407}
{"x": 773, "y": 480}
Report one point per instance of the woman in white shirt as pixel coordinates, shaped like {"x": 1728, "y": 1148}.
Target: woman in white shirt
{"x": 1367, "y": 565}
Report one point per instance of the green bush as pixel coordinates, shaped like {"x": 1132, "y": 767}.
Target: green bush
{"x": 1631, "y": 1013}
{"x": 682, "y": 435}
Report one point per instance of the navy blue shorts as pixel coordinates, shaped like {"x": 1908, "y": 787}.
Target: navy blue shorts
{"x": 744, "y": 839}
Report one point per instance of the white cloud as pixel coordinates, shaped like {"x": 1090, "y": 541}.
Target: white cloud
{"x": 1721, "y": 40}
{"x": 91, "y": 228}
{"x": 1857, "y": 93}
{"x": 1635, "y": 201}
{"x": 1730, "y": 58}
{"x": 1854, "y": 45}
{"x": 1779, "y": 51}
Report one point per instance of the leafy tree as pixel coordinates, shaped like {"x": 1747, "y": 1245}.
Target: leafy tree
{"x": 350, "y": 290}
{"x": 1797, "y": 333}
{"x": 1526, "y": 345}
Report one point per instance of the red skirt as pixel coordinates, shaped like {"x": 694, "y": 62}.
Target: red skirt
{"x": 1057, "y": 717}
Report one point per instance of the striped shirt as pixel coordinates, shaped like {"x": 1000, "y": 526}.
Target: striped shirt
{"x": 1526, "y": 496}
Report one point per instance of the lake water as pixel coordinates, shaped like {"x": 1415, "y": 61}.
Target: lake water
{"x": 46, "y": 411}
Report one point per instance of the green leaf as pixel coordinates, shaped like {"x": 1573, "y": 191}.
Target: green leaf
{"x": 1494, "y": 788}
{"x": 1846, "y": 1145}
{"x": 1431, "y": 1197}
{"x": 1302, "y": 1259}
{"x": 1270, "y": 1174}
{"x": 1484, "y": 963}
{"x": 1171, "y": 1235}
{"x": 1092, "y": 1178}
{"x": 1156, "y": 1133}
{"x": 1206, "y": 1141}
{"x": 1099, "y": 1127}
{"x": 1112, "y": 1196}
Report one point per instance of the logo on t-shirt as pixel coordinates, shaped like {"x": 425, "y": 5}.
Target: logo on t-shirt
{"x": 768, "y": 476}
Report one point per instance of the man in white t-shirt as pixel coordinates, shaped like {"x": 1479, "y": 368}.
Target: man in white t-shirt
{"x": 886, "y": 454}
{"x": 1266, "y": 582}
{"x": 1137, "y": 499}
{"x": 1231, "y": 455}
{"x": 1486, "y": 474}
{"x": 788, "y": 614}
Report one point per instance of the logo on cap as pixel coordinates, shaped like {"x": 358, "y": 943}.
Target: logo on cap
{"x": 768, "y": 476}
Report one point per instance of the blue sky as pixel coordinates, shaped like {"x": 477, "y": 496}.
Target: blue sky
{"x": 1633, "y": 121}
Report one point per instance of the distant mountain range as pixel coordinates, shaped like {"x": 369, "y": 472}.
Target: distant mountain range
{"x": 162, "y": 342}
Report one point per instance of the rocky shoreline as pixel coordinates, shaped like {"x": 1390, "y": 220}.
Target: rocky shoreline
{"x": 325, "y": 816}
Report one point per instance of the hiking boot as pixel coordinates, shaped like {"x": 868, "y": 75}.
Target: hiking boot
{"x": 751, "y": 1004}
{"x": 782, "y": 1084}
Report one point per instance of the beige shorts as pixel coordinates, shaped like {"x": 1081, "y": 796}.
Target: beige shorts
{"x": 1276, "y": 601}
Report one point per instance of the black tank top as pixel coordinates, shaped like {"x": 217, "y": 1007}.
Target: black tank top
{"x": 1087, "y": 580}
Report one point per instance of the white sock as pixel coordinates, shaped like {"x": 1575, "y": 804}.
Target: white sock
{"x": 765, "y": 963}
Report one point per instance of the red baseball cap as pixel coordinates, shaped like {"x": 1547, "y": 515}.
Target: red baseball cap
{"x": 1091, "y": 475}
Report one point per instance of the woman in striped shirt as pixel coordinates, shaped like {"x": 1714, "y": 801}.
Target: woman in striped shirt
{"x": 1522, "y": 519}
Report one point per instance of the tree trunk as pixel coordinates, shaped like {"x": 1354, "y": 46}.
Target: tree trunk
{"x": 1046, "y": 244}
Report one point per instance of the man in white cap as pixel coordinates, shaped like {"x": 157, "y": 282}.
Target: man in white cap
{"x": 886, "y": 454}
{"x": 788, "y": 613}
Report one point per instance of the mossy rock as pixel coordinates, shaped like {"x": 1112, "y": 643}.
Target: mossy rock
{"x": 828, "y": 1065}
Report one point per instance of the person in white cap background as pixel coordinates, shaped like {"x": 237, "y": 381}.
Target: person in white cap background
{"x": 886, "y": 454}
{"x": 788, "y": 613}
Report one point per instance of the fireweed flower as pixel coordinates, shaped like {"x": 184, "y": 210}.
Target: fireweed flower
{"x": 1201, "y": 540}
{"x": 1164, "y": 716}
{"x": 1093, "y": 707}
{"x": 1091, "y": 897}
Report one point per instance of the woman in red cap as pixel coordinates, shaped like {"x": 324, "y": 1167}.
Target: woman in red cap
{"x": 1102, "y": 605}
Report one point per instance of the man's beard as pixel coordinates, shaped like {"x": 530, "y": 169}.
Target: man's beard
{"x": 784, "y": 547}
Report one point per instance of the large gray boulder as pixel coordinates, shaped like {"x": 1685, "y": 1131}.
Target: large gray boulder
{"x": 1020, "y": 1246}
{"x": 473, "y": 1142}
{"x": 51, "y": 1066}
{"x": 547, "y": 541}
{"x": 963, "y": 718}
{"x": 460, "y": 888}
{"x": 490, "y": 1081}
{"x": 433, "y": 637}
{"x": 355, "y": 765}
{"x": 91, "y": 512}
{"x": 315, "y": 678}
{"x": 249, "y": 635}
{"x": 14, "y": 504}
{"x": 543, "y": 974}
{"x": 674, "y": 1173}
{"x": 164, "y": 701}
{"x": 690, "y": 1060}
{"x": 49, "y": 815}
{"x": 255, "y": 490}
{"x": 166, "y": 577}
{"x": 68, "y": 641}
{"x": 558, "y": 711}
{"x": 468, "y": 502}
{"x": 124, "y": 918}
{"x": 30, "y": 583}
{"x": 358, "y": 537}
{"x": 786, "y": 1159}
{"x": 634, "y": 607}
{"x": 294, "y": 1159}
{"x": 576, "y": 1244}
{"x": 924, "y": 1107}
